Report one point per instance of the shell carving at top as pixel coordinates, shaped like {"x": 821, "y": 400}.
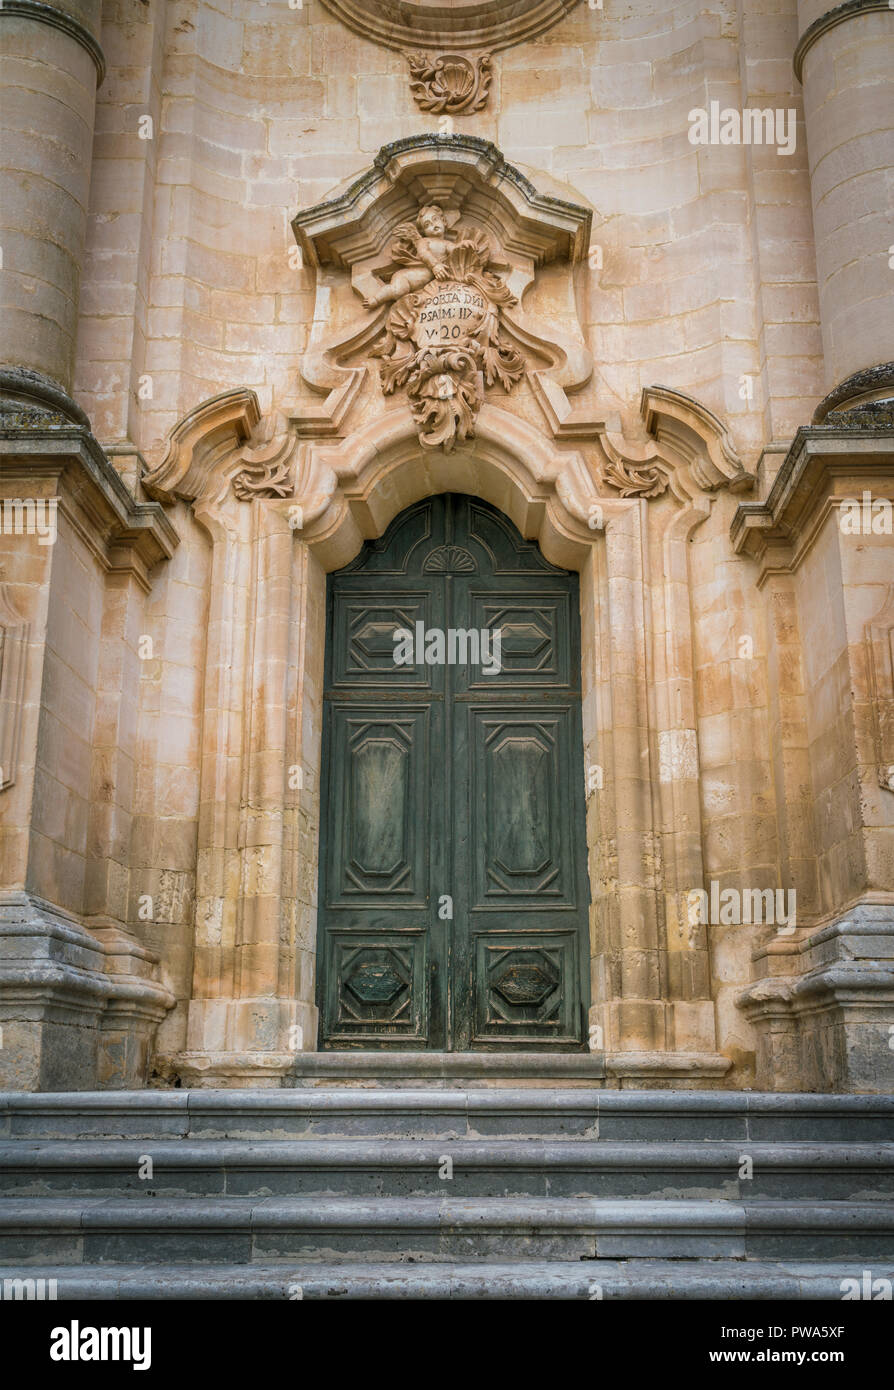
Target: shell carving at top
{"x": 450, "y": 84}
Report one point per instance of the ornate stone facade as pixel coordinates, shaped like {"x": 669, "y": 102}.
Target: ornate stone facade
{"x": 669, "y": 365}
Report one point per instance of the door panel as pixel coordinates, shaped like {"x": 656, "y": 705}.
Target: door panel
{"x": 525, "y": 989}
{"x": 523, "y": 852}
{"x": 363, "y": 644}
{"x": 379, "y": 840}
{"x": 453, "y": 888}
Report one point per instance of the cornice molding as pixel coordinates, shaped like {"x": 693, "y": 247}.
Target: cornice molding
{"x": 432, "y": 24}
{"x": 455, "y": 171}
{"x": 57, "y": 19}
{"x": 868, "y": 386}
{"x": 120, "y": 531}
{"x": 777, "y": 530}
{"x": 830, "y": 20}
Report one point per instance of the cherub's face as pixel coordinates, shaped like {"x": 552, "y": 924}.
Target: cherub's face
{"x": 432, "y": 223}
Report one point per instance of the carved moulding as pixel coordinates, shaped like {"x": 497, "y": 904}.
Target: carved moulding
{"x": 211, "y": 449}
{"x": 687, "y": 431}
{"x": 432, "y": 24}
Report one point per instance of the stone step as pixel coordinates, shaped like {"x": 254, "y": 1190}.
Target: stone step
{"x": 449, "y": 1070}
{"x": 480, "y": 1168}
{"x": 578, "y": 1279}
{"x": 48, "y": 1230}
{"x": 622, "y": 1116}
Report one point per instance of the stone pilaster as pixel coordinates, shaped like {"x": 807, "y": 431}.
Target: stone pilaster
{"x": 80, "y": 996}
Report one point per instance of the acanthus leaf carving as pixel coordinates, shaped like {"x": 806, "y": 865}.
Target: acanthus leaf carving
{"x": 450, "y": 83}
{"x": 267, "y": 471}
{"x": 636, "y": 479}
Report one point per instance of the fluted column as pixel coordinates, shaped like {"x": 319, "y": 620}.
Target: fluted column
{"x": 51, "y": 66}
{"x": 845, "y": 61}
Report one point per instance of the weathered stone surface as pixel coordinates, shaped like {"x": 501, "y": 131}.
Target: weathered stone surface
{"x": 645, "y": 326}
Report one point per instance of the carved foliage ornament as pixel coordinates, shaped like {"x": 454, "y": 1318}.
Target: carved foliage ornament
{"x": 442, "y": 340}
{"x": 271, "y": 478}
{"x": 636, "y": 479}
{"x": 451, "y": 83}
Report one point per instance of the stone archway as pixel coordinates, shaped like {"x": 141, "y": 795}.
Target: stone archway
{"x": 285, "y": 501}
{"x": 652, "y": 1012}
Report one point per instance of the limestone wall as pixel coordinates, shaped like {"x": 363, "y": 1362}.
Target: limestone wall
{"x": 708, "y": 278}
{"x": 736, "y": 693}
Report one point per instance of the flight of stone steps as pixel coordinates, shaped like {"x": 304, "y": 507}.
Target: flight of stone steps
{"x": 463, "y": 1193}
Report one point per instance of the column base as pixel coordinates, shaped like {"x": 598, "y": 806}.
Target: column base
{"x": 223, "y": 1070}
{"x": 79, "y": 1008}
{"x": 678, "y": 1071}
{"x": 241, "y": 1042}
{"x": 830, "y": 1027}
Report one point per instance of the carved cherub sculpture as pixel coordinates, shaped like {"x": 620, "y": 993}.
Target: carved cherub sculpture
{"x": 422, "y": 246}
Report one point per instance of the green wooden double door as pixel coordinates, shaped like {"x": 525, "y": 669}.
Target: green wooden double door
{"x": 453, "y": 883}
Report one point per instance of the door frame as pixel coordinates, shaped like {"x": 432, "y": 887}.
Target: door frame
{"x": 510, "y": 466}
{"x": 348, "y": 697}
{"x": 252, "y": 1000}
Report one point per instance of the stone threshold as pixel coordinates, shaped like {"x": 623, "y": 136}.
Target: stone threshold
{"x": 450, "y": 1069}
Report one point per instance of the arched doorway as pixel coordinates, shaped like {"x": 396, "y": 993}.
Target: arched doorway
{"x": 453, "y": 881}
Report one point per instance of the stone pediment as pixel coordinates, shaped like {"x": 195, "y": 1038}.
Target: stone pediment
{"x": 458, "y": 171}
